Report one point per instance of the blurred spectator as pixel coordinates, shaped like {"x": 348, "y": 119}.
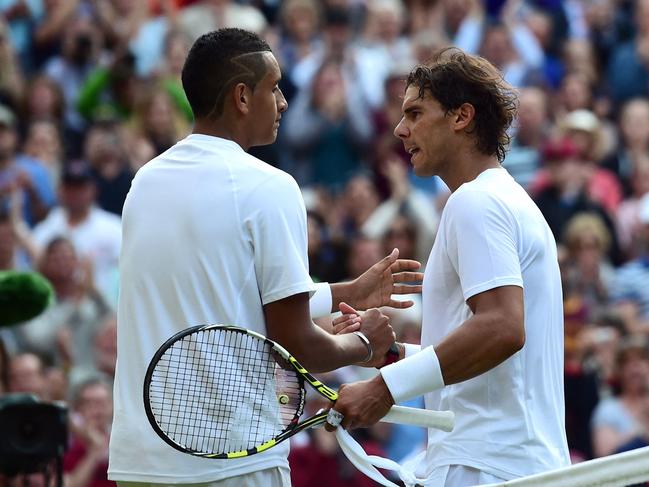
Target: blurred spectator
{"x": 629, "y": 290}
{"x": 95, "y": 233}
{"x": 49, "y": 29}
{"x": 531, "y": 130}
{"x": 629, "y": 225}
{"x": 86, "y": 462}
{"x": 328, "y": 128}
{"x": 565, "y": 193}
{"x": 104, "y": 151}
{"x": 363, "y": 252}
{"x": 633, "y": 141}
{"x": 627, "y": 71}
{"x": 300, "y": 22}
{"x": 326, "y": 256}
{"x": 11, "y": 79}
{"x": 169, "y": 71}
{"x": 105, "y": 346}
{"x": 361, "y": 69}
{"x": 64, "y": 332}
{"x": 17, "y": 248}
{"x": 20, "y": 172}
{"x": 109, "y": 93}
{"x": 20, "y": 15}
{"x": 583, "y": 128}
{"x": 580, "y": 383}
{"x": 588, "y": 273}
{"x": 618, "y": 421}
{"x": 158, "y": 120}
{"x": 26, "y": 374}
{"x": 43, "y": 143}
{"x": 81, "y": 50}
{"x": 206, "y": 15}
{"x": 407, "y": 220}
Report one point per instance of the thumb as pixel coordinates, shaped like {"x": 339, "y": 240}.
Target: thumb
{"x": 347, "y": 309}
{"x": 390, "y": 259}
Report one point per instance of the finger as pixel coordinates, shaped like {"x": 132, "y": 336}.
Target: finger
{"x": 388, "y": 261}
{"x": 408, "y": 277}
{"x": 346, "y": 309}
{"x": 344, "y": 318}
{"x": 405, "y": 265}
{"x": 411, "y": 289}
{"x": 347, "y": 327}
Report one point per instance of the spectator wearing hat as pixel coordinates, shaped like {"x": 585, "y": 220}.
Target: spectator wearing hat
{"x": 565, "y": 192}
{"x": 19, "y": 172}
{"x": 94, "y": 232}
{"x": 585, "y": 129}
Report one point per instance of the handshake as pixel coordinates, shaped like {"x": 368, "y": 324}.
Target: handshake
{"x": 373, "y": 328}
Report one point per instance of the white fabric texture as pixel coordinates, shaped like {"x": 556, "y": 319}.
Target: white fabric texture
{"x": 510, "y": 420}
{"x": 210, "y": 235}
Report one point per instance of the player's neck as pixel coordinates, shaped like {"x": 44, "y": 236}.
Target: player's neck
{"x": 466, "y": 167}
{"x": 224, "y": 130}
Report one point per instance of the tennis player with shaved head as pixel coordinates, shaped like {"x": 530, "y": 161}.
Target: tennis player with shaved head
{"x": 213, "y": 235}
{"x": 492, "y": 332}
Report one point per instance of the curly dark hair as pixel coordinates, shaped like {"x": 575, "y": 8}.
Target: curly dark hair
{"x": 454, "y": 77}
{"x": 216, "y": 62}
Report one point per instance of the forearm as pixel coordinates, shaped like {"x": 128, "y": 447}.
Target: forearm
{"x": 474, "y": 348}
{"x": 83, "y": 474}
{"x": 320, "y": 351}
{"x": 342, "y": 292}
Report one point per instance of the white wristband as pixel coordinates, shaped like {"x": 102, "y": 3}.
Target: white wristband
{"x": 320, "y": 302}
{"x": 413, "y": 376}
{"x": 411, "y": 349}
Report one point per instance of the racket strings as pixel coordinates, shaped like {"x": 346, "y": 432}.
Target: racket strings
{"x": 221, "y": 391}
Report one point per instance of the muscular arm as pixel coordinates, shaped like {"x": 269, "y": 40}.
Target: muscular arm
{"x": 288, "y": 322}
{"x": 494, "y": 333}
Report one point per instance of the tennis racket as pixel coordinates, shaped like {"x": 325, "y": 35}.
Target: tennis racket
{"x": 219, "y": 391}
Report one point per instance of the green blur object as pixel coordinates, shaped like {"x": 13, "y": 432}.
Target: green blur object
{"x": 23, "y": 296}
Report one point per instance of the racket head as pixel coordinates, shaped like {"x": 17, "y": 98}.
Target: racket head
{"x": 220, "y": 391}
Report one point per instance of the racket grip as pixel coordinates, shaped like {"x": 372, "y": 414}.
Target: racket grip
{"x": 443, "y": 420}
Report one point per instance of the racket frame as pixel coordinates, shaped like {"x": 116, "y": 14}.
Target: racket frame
{"x": 294, "y": 426}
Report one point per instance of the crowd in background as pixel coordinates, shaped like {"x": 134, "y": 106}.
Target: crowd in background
{"x": 90, "y": 91}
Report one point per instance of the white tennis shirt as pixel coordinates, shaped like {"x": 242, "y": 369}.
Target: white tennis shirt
{"x": 509, "y": 420}
{"x": 210, "y": 235}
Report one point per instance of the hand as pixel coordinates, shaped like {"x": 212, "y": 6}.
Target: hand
{"x": 375, "y": 287}
{"x": 348, "y": 322}
{"x": 375, "y": 326}
{"x": 363, "y": 403}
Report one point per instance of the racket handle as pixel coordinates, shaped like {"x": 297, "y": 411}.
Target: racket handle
{"x": 443, "y": 420}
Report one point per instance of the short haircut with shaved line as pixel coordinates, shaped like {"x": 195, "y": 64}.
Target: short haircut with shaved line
{"x": 216, "y": 62}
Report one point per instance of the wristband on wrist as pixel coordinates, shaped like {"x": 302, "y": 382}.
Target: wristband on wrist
{"x": 413, "y": 376}
{"x": 321, "y": 300}
{"x": 368, "y": 345}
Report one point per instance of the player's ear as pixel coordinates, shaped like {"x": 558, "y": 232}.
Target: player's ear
{"x": 241, "y": 97}
{"x": 463, "y": 116}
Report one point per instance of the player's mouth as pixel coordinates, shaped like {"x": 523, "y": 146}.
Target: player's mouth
{"x": 413, "y": 151}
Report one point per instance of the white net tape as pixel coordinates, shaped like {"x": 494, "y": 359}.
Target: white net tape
{"x": 619, "y": 470}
